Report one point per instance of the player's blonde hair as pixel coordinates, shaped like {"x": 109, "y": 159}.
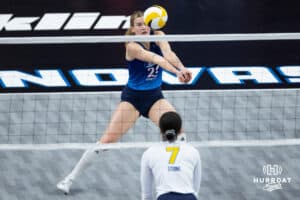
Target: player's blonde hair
{"x": 134, "y": 15}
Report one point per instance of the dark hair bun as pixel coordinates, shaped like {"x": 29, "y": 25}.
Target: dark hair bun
{"x": 170, "y": 134}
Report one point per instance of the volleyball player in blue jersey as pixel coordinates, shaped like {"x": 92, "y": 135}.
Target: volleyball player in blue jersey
{"x": 142, "y": 95}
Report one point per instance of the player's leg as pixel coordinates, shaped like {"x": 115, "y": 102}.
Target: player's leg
{"x": 123, "y": 118}
{"x": 158, "y": 109}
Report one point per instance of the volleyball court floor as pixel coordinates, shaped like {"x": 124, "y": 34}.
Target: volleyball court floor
{"x": 228, "y": 173}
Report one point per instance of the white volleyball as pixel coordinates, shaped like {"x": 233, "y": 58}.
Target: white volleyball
{"x": 155, "y": 17}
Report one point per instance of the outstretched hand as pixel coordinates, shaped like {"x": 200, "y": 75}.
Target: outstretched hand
{"x": 184, "y": 76}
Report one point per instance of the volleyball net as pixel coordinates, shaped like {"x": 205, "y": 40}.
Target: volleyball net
{"x": 210, "y": 117}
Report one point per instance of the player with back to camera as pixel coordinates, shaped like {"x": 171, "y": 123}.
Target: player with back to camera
{"x": 142, "y": 95}
{"x": 174, "y": 166}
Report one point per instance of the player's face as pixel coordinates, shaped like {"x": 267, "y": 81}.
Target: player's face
{"x": 139, "y": 27}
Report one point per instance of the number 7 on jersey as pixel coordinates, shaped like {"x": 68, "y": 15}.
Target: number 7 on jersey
{"x": 174, "y": 151}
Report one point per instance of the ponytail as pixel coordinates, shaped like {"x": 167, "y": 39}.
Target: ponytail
{"x": 170, "y": 135}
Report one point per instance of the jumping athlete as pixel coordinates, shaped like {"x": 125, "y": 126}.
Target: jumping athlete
{"x": 142, "y": 95}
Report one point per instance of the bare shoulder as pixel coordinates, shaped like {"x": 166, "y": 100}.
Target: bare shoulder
{"x": 132, "y": 46}
{"x": 131, "y": 49}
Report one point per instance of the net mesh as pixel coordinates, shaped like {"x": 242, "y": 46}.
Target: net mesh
{"x": 207, "y": 116}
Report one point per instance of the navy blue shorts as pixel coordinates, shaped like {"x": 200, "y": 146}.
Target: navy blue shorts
{"x": 176, "y": 196}
{"x": 141, "y": 100}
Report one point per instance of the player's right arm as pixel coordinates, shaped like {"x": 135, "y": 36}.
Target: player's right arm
{"x": 146, "y": 178}
{"x": 135, "y": 51}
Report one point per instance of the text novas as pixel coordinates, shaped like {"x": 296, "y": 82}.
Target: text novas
{"x": 63, "y": 21}
{"x": 227, "y": 75}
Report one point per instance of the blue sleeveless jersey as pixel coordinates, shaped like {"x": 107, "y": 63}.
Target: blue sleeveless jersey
{"x": 144, "y": 75}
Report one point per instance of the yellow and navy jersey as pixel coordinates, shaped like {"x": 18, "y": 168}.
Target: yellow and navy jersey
{"x": 172, "y": 167}
{"x": 144, "y": 75}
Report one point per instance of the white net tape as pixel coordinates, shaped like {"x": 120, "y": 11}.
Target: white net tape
{"x": 142, "y": 145}
{"x": 171, "y": 38}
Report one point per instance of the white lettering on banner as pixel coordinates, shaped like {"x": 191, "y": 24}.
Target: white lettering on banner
{"x": 46, "y": 78}
{"x": 56, "y": 21}
{"x": 118, "y": 77}
{"x": 81, "y": 21}
{"x": 17, "y": 23}
{"x": 4, "y": 19}
{"x": 52, "y": 21}
{"x": 82, "y": 77}
{"x": 292, "y": 72}
{"x": 92, "y": 77}
{"x": 111, "y": 22}
{"x": 237, "y": 75}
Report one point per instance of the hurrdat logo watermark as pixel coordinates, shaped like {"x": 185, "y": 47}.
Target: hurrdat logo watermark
{"x": 273, "y": 178}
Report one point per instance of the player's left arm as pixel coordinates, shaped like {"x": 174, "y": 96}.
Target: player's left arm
{"x": 172, "y": 58}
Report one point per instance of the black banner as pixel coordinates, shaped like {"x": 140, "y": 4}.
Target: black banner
{"x": 215, "y": 65}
